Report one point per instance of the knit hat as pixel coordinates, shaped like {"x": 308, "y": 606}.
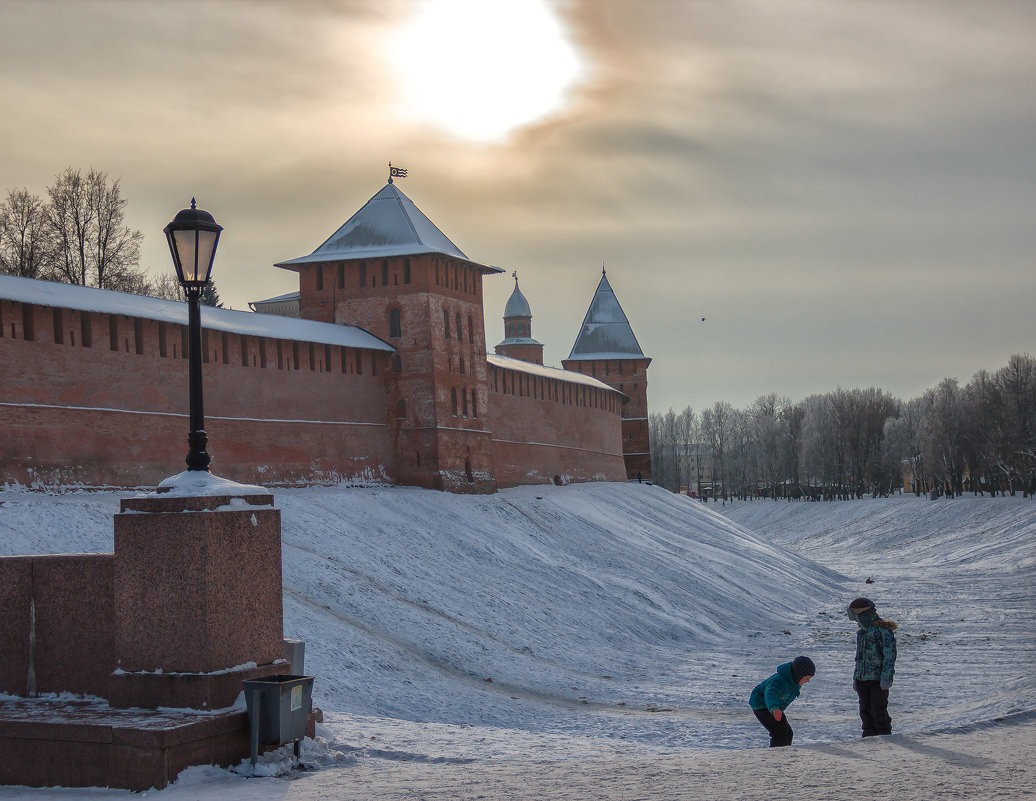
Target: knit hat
{"x": 859, "y": 606}
{"x": 802, "y": 666}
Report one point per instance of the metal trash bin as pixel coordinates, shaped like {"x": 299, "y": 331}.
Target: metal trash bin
{"x": 278, "y": 710}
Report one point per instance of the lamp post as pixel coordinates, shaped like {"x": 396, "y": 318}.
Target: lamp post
{"x": 193, "y": 235}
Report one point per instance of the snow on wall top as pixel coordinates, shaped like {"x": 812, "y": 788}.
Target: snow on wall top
{"x": 606, "y": 333}
{"x": 507, "y": 363}
{"x": 103, "y": 301}
{"x": 389, "y": 224}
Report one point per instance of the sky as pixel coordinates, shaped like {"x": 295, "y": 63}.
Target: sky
{"x": 845, "y": 190}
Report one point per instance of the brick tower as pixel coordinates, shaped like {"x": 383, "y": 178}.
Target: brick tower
{"x": 391, "y": 271}
{"x": 607, "y": 349}
{"x": 518, "y": 342}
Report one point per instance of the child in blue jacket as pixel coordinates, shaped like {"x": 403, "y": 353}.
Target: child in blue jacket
{"x": 771, "y": 697}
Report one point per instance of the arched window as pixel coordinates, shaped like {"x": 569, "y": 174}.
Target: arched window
{"x": 453, "y": 400}
{"x": 474, "y": 404}
{"x": 401, "y": 409}
{"x": 464, "y": 398}
{"x": 446, "y": 322}
{"x": 471, "y": 329}
{"x": 460, "y": 331}
{"x": 395, "y": 326}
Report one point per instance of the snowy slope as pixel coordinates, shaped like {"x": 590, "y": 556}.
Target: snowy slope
{"x": 619, "y": 618}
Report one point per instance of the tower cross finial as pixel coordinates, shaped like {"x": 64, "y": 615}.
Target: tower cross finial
{"x": 602, "y": 269}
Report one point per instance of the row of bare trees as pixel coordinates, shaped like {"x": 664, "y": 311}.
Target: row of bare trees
{"x": 78, "y": 235}
{"x": 979, "y": 437}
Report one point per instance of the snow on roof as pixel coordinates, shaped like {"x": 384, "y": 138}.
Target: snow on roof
{"x": 507, "y": 363}
{"x": 606, "y": 333}
{"x": 296, "y": 295}
{"x": 389, "y": 224}
{"x": 103, "y": 301}
{"x": 520, "y": 341}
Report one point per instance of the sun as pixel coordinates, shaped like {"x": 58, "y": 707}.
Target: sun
{"x": 479, "y": 69}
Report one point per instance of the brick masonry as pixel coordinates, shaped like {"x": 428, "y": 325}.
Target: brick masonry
{"x": 101, "y": 399}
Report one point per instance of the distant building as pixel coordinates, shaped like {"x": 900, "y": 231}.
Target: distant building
{"x": 286, "y": 305}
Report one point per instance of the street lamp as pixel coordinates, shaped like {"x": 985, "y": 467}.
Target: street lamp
{"x": 193, "y": 235}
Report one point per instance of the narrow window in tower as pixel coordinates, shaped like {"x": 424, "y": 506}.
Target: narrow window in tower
{"x": 464, "y": 398}
{"x": 471, "y": 329}
{"x": 113, "y": 332}
{"x": 474, "y": 405}
{"x": 384, "y": 272}
{"x": 59, "y": 328}
{"x": 374, "y": 363}
{"x": 401, "y": 409}
{"x": 312, "y": 357}
{"x": 161, "y": 339}
{"x": 327, "y": 359}
{"x": 226, "y": 347}
{"x": 320, "y": 277}
{"x": 262, "y": 353}
{"x": 363, "y": 273}
{"x": 244, "y": 351}
{"x": 280, "y": 355}
{"x": 397, "y": 364}
{"x": 341, "y": 276}
{"x": 406, "y": 271}
{"x": 460, "y": 334}
{"x": 295, "y": 355}
{"x": 453, "y": 400}
{"x": 395, "y": 328}
{"x": 341, "y": 353}
{"x": 359, "y": 363}
{"x": 446, "y": 322}
{"x": 462, "y": 365}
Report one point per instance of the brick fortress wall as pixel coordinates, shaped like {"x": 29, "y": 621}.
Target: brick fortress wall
{"x": 96, "y": 399}
{"x": 102, "y": 400}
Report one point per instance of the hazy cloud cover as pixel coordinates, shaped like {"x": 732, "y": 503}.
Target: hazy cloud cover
{"x": 846, "y": 190}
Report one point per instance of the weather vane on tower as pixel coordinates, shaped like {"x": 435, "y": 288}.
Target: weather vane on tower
{"x": 396, "y": 172}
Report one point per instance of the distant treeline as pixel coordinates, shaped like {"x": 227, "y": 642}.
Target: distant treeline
{"x": 980, "y": 437}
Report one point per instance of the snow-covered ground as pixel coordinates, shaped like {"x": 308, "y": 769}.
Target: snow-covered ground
{"x": 578, "y": 631}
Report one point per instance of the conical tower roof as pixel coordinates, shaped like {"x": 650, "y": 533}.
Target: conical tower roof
{"x": 606, "y": 333}
{"x": 389, "y": 224}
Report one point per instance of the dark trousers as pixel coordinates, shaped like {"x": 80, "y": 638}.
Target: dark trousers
{"x": 780, "y": 731}
{"x": 874, "y": 708}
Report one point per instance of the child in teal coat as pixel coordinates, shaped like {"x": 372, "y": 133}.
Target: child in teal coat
{"x": 771, "y": 697}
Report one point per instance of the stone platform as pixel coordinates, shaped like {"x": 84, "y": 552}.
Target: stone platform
{"x": 87, "y": 743}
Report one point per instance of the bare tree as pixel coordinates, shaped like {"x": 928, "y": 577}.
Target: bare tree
{"x": 95, "y": 247}
{"x": 26, "y": 246}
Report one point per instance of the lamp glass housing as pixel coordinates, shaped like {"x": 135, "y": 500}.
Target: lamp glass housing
{"x": 193, "y": 236}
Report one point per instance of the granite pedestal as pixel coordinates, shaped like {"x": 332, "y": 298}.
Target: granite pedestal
{"x": 197, "y": 599}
